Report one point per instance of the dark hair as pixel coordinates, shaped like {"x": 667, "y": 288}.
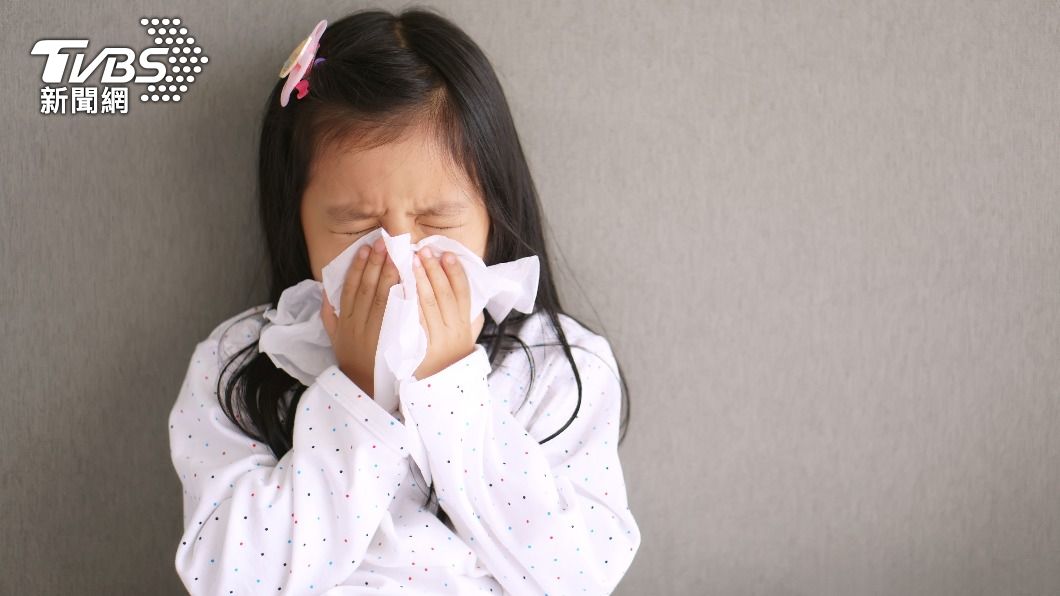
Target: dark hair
{"x": 383, "y": 73}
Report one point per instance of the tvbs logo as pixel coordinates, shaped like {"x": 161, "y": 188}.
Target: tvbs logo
{"x": 168, "y": 68}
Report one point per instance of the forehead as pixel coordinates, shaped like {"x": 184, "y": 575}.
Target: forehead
{"x": 413, "y": 170}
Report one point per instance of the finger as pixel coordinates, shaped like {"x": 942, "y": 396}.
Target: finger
{"x": 443, "y": 292}
{"x": 428, "y": 303}
{"x": 353, "y": 279}
{"x": 370, "y": 279}
{"x": 460, "y": 284}
{"x": 387, "y": 278}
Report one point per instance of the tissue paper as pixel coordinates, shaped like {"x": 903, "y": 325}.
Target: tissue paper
{"x": 296, "y": 341}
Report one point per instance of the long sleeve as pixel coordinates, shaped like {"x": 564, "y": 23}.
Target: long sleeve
{"x": 548, "y": 518}
{"x": 300, "y": 525}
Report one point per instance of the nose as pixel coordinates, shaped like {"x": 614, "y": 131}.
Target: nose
{"x": 400, "y": 224}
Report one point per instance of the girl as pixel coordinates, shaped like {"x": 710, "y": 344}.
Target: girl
{"x": 400, "y": 123}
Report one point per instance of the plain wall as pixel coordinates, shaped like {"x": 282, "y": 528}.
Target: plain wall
{"x": 821, "y": 237}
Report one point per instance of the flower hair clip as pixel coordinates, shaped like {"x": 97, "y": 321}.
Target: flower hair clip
{"x": 299, "y": 63}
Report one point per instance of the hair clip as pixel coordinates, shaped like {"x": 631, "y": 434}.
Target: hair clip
{"x": 299, "y": 63}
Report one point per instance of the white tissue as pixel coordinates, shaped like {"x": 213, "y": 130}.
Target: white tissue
{"x": 294, "y": 336}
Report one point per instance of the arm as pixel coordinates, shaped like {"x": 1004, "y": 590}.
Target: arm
{"x": 549, "y": 518}
{"x": 302, "y": 524}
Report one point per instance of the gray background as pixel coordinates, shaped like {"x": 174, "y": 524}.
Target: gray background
{"x": 821, "y": 237}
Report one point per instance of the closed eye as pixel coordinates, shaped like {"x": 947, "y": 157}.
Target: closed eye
{"x": 358, "y": 233}
{"x": 374, "y": 227}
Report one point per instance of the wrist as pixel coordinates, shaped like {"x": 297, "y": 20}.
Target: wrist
{"x": 364, "y": 385}
{"x": 428, "y": 369}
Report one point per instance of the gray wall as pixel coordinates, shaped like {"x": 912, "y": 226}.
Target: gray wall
{"x": 821, "y": 238}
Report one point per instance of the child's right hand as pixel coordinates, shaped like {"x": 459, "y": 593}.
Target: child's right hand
{"x": 354, "y": 332}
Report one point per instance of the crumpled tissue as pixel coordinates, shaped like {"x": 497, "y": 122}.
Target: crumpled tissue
{"x": 296, "y": 341}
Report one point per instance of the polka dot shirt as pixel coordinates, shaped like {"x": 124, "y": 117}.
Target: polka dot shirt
{"x": 342, "y": 512}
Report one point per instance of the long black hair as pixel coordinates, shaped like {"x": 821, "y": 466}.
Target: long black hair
{"x": 381, "y": 73}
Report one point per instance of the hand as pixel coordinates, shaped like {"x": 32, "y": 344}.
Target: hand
{"x": 445, "y": 298}
{"x": 354, "y": 332}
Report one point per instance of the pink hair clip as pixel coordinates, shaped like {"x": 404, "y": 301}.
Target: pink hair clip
{"x": 299, "y": 63}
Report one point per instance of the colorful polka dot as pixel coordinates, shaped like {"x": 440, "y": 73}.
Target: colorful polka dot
{"x": 348, "y": 486}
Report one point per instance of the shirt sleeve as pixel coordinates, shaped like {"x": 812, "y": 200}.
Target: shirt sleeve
{"x": 548, "y": 518}
{"x": 299, "y": 525}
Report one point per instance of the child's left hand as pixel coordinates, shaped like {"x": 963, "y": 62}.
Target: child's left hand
{"x": 445, "y": 298}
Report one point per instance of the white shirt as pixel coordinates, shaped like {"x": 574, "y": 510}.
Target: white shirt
{"x": 342, "y": 512}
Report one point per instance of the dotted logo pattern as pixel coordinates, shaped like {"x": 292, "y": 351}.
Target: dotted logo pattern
{"x": 185, "y": 58}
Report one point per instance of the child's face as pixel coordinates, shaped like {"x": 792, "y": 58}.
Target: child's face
{"x": 404, "y": 186}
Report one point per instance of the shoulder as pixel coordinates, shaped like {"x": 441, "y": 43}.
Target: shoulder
{"x": 236, "y": 332}
{"x": 208, "y": 359}
{"x": 586, "y": 385}
{"x": 539, "y": 328}
{"x": 587, "y": 346}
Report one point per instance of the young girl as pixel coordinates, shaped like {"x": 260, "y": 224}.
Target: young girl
{"x": 399, "y": 123}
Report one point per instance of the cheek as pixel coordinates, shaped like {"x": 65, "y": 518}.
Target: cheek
{"x": 322, "y": 247}
{"x": 472, "y": 237}
{"x": 473, "y": 234}
{"x": 482, "y": 235}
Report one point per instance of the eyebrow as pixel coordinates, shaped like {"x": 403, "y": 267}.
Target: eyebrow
{"x": 355, "y": 212}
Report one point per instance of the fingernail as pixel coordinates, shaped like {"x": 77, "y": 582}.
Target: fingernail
{"x": 378, "y": 245}
{"x": 449, "y": 258}
{"x": 362, "y": 252}
{"x": 426, "y": 252}
{"x": 416, "y": 261}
